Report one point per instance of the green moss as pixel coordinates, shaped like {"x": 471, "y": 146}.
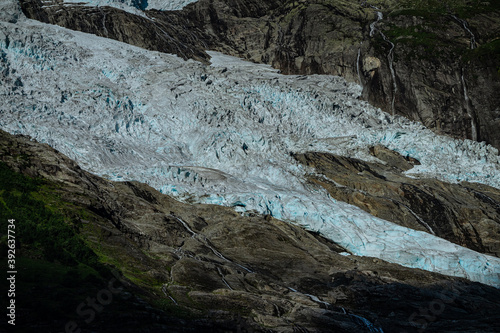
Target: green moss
{"x": 424, "y": 41}
{"x": 434, "y": 8}
{"x": 173, "y": 310}
{"x": 416, "y": 35}
{"x": 473, "y": 8}
{"x": 414, "y": 12}
{"x": 489, "y": 52}
{"x": 132, "y": 268}
{"x": 418, "y": 42}
{"x": 60, "y": 263}
{"x": 293, "y": 10}
{"x": 37, "y": 227}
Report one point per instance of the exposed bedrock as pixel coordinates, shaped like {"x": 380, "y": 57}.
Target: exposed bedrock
{"x": 169, "y": 34}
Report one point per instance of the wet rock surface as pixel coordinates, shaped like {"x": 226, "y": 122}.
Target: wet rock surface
{"x": 252, "y": 273}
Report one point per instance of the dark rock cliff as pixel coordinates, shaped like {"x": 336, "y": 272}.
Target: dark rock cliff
{"x": 445, "y": 70}
{"x": 170, "y": 34}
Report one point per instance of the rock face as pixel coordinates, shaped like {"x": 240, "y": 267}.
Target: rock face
{"x": 415, "y": 62}
{"x": 466, "y": 214}
{"x": 439, "y": 80}
{"x": 254, "y": 273}
{"x": 170, "y": 33}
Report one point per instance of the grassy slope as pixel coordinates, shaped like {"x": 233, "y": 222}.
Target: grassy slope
{"x": 60, "y": 262}
{"x": 57, "y": 270}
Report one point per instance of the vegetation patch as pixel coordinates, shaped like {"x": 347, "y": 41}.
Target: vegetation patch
{"x": 435, "y": 8}
{"x": 40, "y": 229}
{"x": 416, "y": 35}
{"x": 57, "y": 267}
{"x": 489, "y": 52}
{"x": 52, "y": 289}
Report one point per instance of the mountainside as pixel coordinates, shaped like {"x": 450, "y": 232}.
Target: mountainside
{"x": 224, "y": 195}
{"x": 433, "y": 62}
{"x": 205, "y": 267}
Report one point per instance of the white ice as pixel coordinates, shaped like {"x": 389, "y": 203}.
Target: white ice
{"x": 223, "y": 134}
{"x": 168, "y": 4}
{"x": 130, "y": 6}
{"x": 134, "y": 6}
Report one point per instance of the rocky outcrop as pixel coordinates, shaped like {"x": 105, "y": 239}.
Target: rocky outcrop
{"x": 437, "y": 78}
{"x": 298, "y": 37}
{"x": 169, "y": 33}
{"x": 467, "y": 214}
{"x": 222, "y": 271}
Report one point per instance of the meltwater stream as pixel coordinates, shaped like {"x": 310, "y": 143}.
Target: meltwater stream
{"x": 390, "y": 56}
{"x": 465, "y": 25}
{"x": 223, "y": 134}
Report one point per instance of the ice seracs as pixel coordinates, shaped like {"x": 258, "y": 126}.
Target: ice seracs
{"x": 168, "y": 4}
{"x": 223, "y": 134}
{"x": 134, "y": 6}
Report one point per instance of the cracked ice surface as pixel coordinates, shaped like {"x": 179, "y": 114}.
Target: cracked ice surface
{"x": 168, "y": 4}
{"x": 133, "y": 6}
{"x": 223, "y": 134}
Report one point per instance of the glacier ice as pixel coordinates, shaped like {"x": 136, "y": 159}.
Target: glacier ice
{"x": 133, "y": 6}
{"x": 168, "y": 4}
{"x": 223, "y": 134}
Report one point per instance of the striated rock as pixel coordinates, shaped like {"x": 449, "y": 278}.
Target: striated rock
{"x": 439, "y": 80}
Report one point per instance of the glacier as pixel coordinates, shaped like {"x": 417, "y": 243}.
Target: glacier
{"x": 132, "y": 6}
{"x": 223, "y": 133}
{"x": 168, "y": 4}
